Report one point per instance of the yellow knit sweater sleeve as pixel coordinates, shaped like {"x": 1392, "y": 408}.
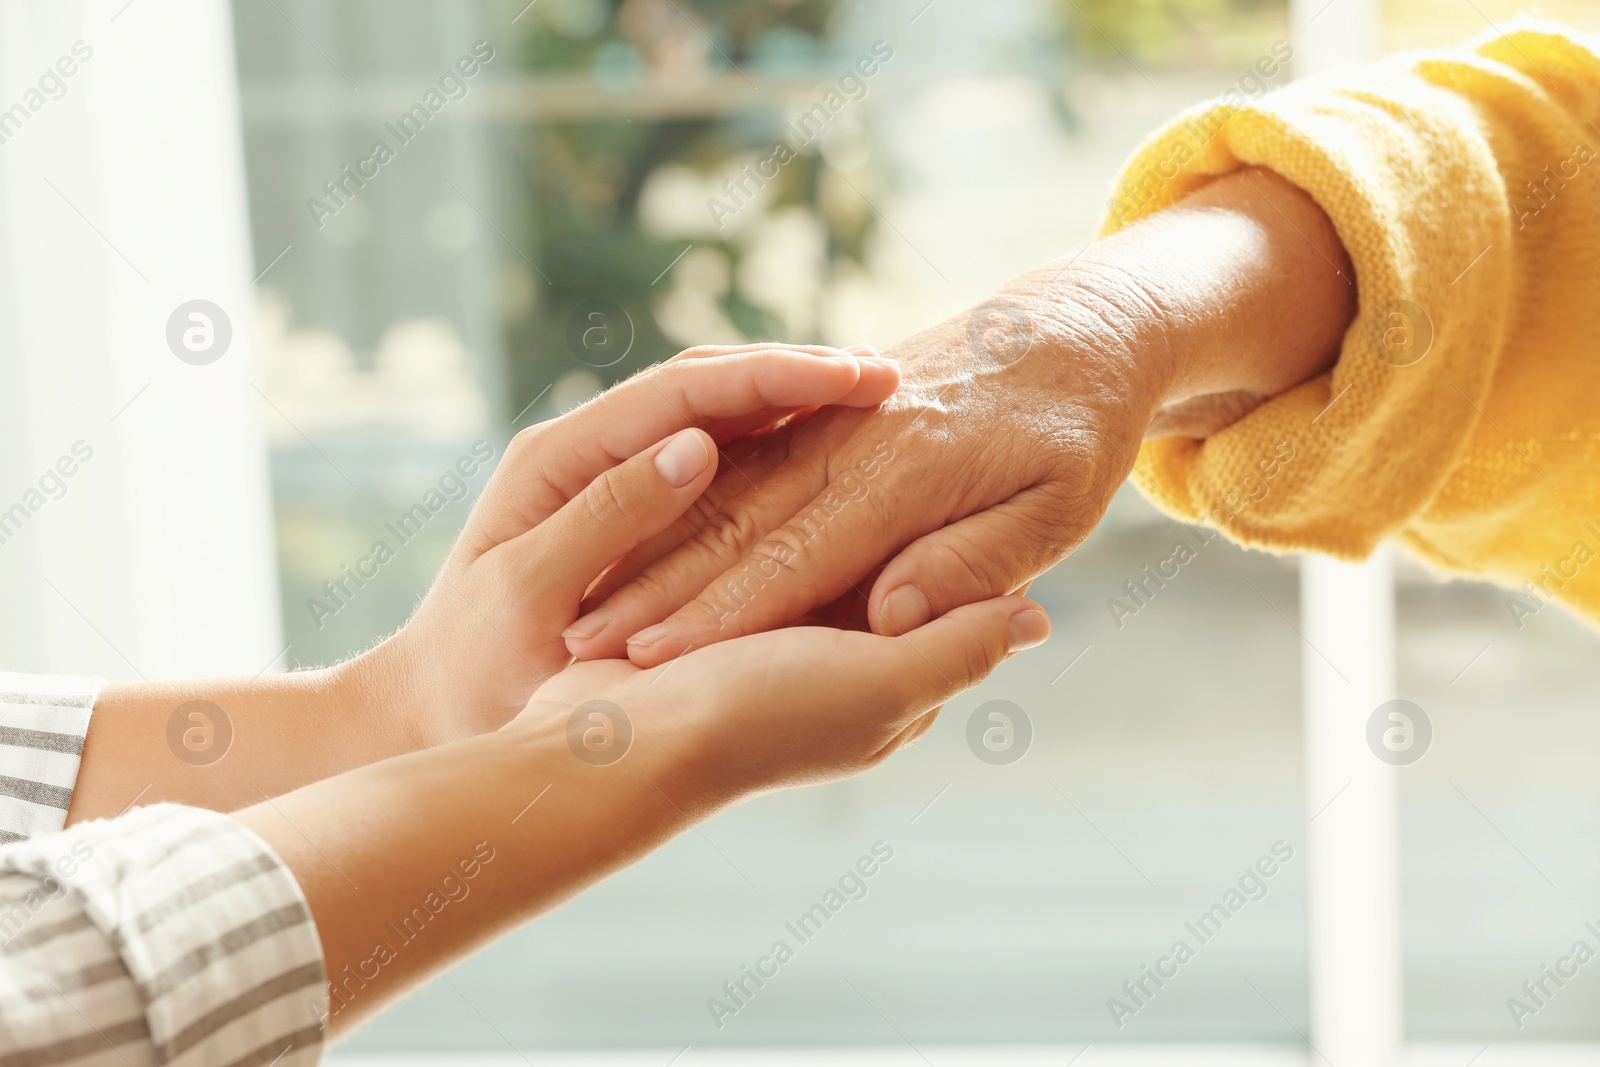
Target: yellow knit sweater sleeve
{"x": 1462, "y": 418}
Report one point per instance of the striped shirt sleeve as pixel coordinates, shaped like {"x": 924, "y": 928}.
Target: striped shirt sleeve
{"x": 169, "y": 935}
{"x": 43, "y": 720}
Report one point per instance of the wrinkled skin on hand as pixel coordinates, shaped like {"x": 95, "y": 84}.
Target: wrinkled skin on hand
{"x": 1009, "y": 435}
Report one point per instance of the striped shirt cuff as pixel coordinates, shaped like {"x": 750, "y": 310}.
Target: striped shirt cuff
{"x": 43, "y": 720}
{"x": 171, "y": 934}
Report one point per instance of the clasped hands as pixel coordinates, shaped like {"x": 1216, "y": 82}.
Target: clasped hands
{"x": 670, "y": 535}
{"x": 599, "y": 524}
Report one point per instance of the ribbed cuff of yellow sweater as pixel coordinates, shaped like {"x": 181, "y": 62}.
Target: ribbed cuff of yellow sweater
{"x": 1463, "y": 413}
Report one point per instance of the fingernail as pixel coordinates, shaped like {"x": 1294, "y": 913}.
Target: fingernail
{"x": 1028, "y": 628}
{"x": 906, "y": 608}
{"x": 684, "y": 457}
{"x": 589, "y": 625}
{"x": 650, "y": 635}
{"x": 863, "y": 349}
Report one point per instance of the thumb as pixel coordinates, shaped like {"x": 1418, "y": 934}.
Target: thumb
{"x": 956, "y": 651}
{"x": 990, "y": 554}
{"x": 625, "y": 505}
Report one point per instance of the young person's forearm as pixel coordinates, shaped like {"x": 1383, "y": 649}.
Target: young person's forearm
{"x": 412, "y": 863}
{"x": 225, "y": 743}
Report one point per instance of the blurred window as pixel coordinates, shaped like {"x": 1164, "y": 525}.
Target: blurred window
{"x": 610, "y": 184}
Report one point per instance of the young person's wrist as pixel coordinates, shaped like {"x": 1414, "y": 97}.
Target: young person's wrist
{"x": 681, "y": 753}
{"x": 511, "y": 820}
{"x": 389, "y": 689}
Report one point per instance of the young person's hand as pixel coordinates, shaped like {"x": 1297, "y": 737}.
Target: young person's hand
{"x": 567, "y": 501}
{"x": 789, "y": 707}
{"x": 517, "y": 821}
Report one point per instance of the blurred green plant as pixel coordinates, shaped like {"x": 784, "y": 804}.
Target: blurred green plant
{"x": 1173, "y": 33}
{"x": 579, "y": 182}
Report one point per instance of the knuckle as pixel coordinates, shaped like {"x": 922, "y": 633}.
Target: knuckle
{"x": 695, "y": 352}
{"x": 712, "y": 614}
{"x": 780, "y": 555}
{"x": 607, "y": 502}
{"x": 1050, "y": 542}
{"x": 869, "y": 760}
{"x": 524, "y": 441}
{"x": 783, "y": 546}
{"x": 706, "y": 508}
{"x": 675, "y": 371}
{"x": 1077, "y": 459}
{"x": 914, "y": 732}
{"x": 963, "y": 569}
{"x": 654, "y": 585}
{"x": 1070, "y": 513}
{"x": 763, "y": 575}
{"x": 725, "y": 536}
{"x": 978, "y": 659}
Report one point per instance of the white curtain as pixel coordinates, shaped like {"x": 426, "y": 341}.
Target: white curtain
{"x": 135, "y": 507}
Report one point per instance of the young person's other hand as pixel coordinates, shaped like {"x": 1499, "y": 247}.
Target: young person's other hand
{"x": 628, "y": 758}
{"x": 789, "y": 707}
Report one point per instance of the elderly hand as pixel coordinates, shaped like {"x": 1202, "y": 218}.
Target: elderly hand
{"x": 1012, "y": 430}
{"x": 982, "y": 471}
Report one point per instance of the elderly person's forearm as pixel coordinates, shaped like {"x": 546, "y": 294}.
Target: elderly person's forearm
{"x": 1221, "y": 302}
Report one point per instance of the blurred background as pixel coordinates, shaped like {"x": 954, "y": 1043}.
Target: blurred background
{"x": 576, "y": 180}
